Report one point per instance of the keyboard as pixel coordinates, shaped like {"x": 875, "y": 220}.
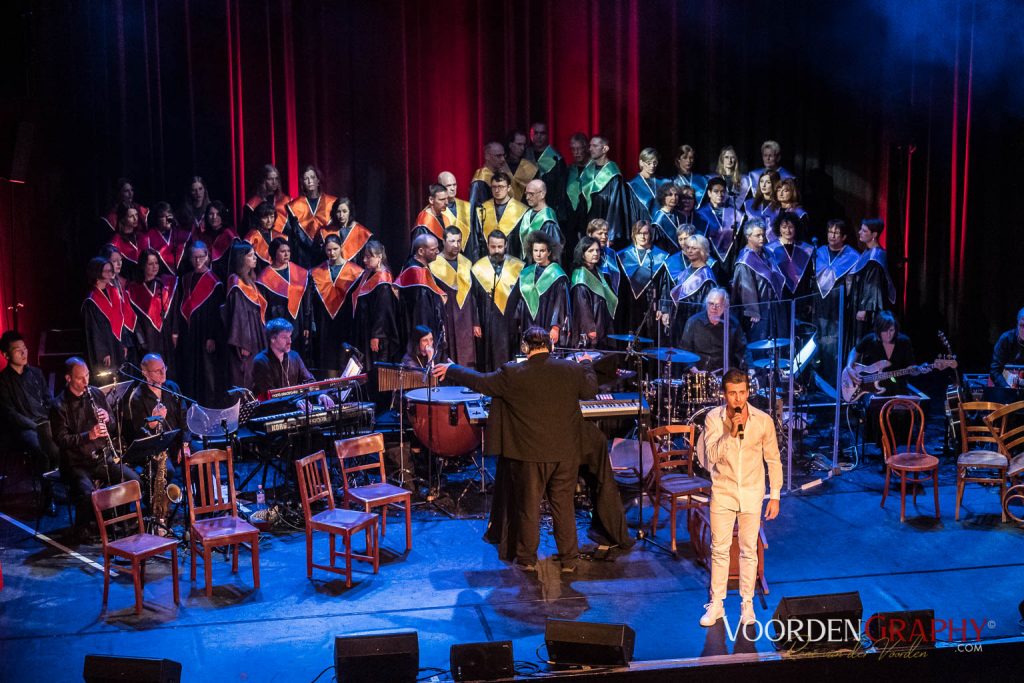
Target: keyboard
{"x": 318, "y": 416}
{"x": 613, "y": 405}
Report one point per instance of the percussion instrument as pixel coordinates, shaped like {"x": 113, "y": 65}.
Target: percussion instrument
{"x": 630, "y": 338}
{"x": 668, "y": 354}
{"x": 763, "y": 344}
{"x": 440, "y": 419}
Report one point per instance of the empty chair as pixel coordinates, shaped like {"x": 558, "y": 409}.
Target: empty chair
{"x": 370, "y": 448}
{"x": 980, "y": 460}
{"x": 213, "y": 518}
{"x": 672, "y": 479}
{"x": 1007, "y": 425}
{"x": 138, "y": 547}
{"x": 904, "y": 453}
{"x": 315, "y": 486}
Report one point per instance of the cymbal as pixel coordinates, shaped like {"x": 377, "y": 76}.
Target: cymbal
{"x": 630, "y": 338}
{"x": 668, "y": 354}
{"x": 760, "y": 345}
{"x": 762, "y": 363}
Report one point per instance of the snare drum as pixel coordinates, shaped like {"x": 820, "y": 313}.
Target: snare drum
{"x": 440, "y": 419}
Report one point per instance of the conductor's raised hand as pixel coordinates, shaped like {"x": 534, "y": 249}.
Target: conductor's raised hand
{"x": 439, "y": 371}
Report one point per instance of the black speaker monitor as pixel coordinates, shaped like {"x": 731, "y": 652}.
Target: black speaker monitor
{"x": 110, "y": 669}
{"x": 588, "y": 643}
{"x": 374, "y": 657}
{"x": 482, "y": 661}
{"x": 817, "y": 623}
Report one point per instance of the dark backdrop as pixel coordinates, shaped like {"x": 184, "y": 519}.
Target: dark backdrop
{"x": 912, "y": 113}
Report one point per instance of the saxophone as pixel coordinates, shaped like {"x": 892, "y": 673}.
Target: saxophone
{"x": 162, "y": 494}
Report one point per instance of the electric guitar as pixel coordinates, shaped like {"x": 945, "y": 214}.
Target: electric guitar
{"x": 859, "y": 380}
{"x": 954, "y": 395}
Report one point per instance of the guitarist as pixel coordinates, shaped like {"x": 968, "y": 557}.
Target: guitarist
{"x": 1009, "y": 350}
{"x": 885, "y": 343}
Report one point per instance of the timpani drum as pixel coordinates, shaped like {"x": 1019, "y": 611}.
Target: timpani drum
{"x": 440, "y": 419}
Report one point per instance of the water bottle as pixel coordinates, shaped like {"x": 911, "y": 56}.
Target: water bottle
{"x": 261, "y": 497}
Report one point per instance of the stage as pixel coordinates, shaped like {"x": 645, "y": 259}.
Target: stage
{"x": 451, "y": 589}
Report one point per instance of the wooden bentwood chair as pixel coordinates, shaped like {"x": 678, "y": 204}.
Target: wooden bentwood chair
{"x": 1007, "y": 425}
{"x": 206, "y": 497}
{"x": 315, "y": 486}
{"x": 913, "y": 464}
{"x": 671, "y": 479}
{"x": 979, "y": 451}
{"x": 379, "y": 494}
{"x": 137, "y": 547}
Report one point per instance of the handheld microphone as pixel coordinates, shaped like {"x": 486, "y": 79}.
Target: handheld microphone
{"x": 737, "y": 411}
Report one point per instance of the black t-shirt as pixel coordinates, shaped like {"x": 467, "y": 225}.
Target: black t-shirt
{"x": 870, "y": 350}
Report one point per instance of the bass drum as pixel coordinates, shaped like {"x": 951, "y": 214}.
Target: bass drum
{"x": 440, "y": 419}
{"x": 697, "y": 421}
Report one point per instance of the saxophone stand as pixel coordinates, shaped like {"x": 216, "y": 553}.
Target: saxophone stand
{"x": 145, "y": 450}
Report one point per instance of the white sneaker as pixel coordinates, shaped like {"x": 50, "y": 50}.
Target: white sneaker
{"x": 747, "y": 615}
{"x": 713, "y": 611}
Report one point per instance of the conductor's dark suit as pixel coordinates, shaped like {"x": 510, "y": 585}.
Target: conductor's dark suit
{"x": 535, "y": 424}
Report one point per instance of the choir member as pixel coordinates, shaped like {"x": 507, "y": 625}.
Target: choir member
{"x": 598, "y": 229}
{"x": 665, "y": 220}
{"x": 795, "y": 261}
{"x": 268, "y": 191}
{"x": 152, "y": 297}
{"x": 697, "y": 278}
{"x": 718, "y": 221}
{"x": 284, "y": 286}
{"x": 126, "y": 239}
{"x": 459, "y": 213}
{"x": 523, "y": 170}
{"x": 167, "y": 238}
{"x": 501, "y": 212}
{"x": 645, "y": 186}
{"x": 593, "y": 300}
{"x": 264, "y": 220}
{"x": 353, "y": 234}
{"x": 193, "y": 209}
{"x": 788, "y": 197}
{"x": 764, "y": 205}
{"x": 434, "y": 217}
{"x": 687, "y": 209}
{"x": 453, "y": 273}
{"x": 333, "y": 282}
{"x": 421, "y": 298}
{"x": 375, "y": 307}
{"x": 833, "y": 266}
{"x": 771, "y": 155}
{"x": 103, "y": 318}
{"x": 539, "y": 217}
{"x": 872, "y": 285}
{"x": 124, "y": 197}
{"x": 120, "y": 283}
{"x": 737, "y": 185}
{"x": 494, "y": 162}
{"x": 543, "y": 289}
{"x": 647, "y": 275}
{"x": 199, "y": 328}
{"x": 244, "y": 316}
{"x": 757, "y": 284}
{"x": 495, "y": 277}
{"x": 685, "y": 177}
{"x": 679, "y": 260}
{"x": 604, "y": 194}
{"x": 550, "y": 165}
{"x": 218, "y": 236}
{"x": 569, "y": 206}
{"x": 307, "y": 215}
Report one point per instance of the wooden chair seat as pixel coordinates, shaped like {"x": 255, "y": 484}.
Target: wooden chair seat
{"x": 315, "y": 488}
{"x": 1016, "y": 466}
{"x": 672, "y": 480}
{"x": 376, "y": 494}
{"x": 982, "y": 459}
{"x": 913, "y": 462}
{"x": 364, "y": 456}
{"x": 683, "y": 485}
{"x": 141, "y": 545}
{"x": 222, "y": 528}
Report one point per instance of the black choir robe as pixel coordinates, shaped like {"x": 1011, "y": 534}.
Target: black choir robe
{"x": 722, "y": 228}
{"x": 645, "y": 190}
{"x": 832, "y": 275}
{"x": 287, "y": 295}
{"x": 646, "y": 287}
{"x": 604, "y": 195}
{"x": 873, "y": 288}
{"x": 532, "y": 221}
{"x": 244, "y": 316}
{"x": 757, "y": 287}
{"x": 103, "y": 318}
{"x": 796, "y": 263}
{"x": 219, "y": 245}
{"x": 198, "y": 319}
{"x": 306, "y": 217}
{"x": 542, "y": 299}
{"x": 170, "y": 245}
{"x": 249, "y": 221}
{"x": 353, "y": 238}
{"x": 332, "y": 313}
{"x": 375, "y": 311}
{"x": 153, "y": 303}
{"x": 551, "y": 169}
{"x": 666, "y": 230}
{"x": 260, "y": 240}
{"x": 593, "y": 309}
{"x": 460, "y": 310}
{"x": 691, "y": 289}
{"x": 421, "y": 302}
{"x": 495, "y": 285}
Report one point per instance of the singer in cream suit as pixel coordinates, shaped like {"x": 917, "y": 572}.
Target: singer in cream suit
{"x": 739, "y": 439}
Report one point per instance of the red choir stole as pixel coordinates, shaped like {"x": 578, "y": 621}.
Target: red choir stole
{"x": 108, "y": 302}
{"x": 202, "y": 289}
{"x": 153, "y": 307}
{"x": 428, "y": 220}
{"x": 369, "y": 284}
{"x": 334, "y": 292}
{"x": 311, "y": 222}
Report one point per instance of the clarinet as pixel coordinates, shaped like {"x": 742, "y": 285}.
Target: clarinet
{"x": 109, "y": 451}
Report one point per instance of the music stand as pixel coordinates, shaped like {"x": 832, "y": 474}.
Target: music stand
{"x": 115, "y": 393}
{"x": 142, "y": 451}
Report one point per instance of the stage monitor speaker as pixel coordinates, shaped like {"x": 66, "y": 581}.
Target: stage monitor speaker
{"x": 816, "y": 623}
{"x": 374, "y": 657}
{"x": 110, "y": 669}
{"x": 589, "y": 643}
{"x": 910, "y": 628}
{"x": 482, "y": 661}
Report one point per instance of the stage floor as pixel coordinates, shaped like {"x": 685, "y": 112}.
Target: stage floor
{"x": 451, "y": 588}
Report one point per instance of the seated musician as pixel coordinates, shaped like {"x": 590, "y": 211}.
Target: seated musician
{"x": 150, "y": 409}
{"x": 80, "y": 420}
{"x": 704, "y": 334}
{"x": 1009, "y": 350}
{"x": 278, "y": 366}
{"x": 419, "y": 352}
{"x": 885, "y": 343}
